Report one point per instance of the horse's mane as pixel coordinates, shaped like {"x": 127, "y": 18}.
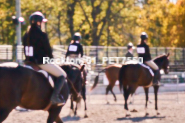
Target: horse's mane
{"x": 159, "y": 58}
{"x": 115, "y": 65}
{"x": 69, "y": 65}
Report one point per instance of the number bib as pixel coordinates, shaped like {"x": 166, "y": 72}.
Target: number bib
{"x": 140, "y": 50}
{"x": 73, "y": 48}
{"x": 29, "y": 51}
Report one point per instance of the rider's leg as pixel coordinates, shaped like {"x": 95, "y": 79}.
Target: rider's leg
{"x": 61, "y": 75}
{"x": 75, "y": 59}
{"x": 156, "y": 72}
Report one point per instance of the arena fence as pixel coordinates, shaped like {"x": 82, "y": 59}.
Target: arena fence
{"x": 177, "y": 55}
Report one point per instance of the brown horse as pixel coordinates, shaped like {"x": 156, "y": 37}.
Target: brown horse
{"x": 20, "y": 86}
{"x": 112, "y": 73}
{"x": 133, "y": 75}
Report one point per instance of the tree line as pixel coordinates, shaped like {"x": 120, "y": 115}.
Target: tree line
{"x": 101, "y": 22}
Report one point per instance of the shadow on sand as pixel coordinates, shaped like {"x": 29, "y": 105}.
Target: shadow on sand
{"x": 69, "y": 118}
{"x": 138, "y": 119}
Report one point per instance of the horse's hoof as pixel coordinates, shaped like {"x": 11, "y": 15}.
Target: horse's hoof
{"x": 134, "y": 110}
{"x": 108, "y": 103}
{"x": 85, "y": 116}
{"x": 115, "y": 100}
{"x": 158, "y": 113}
{"x": 130, "y": 103}
{"x": 127, "y": 115}
{"x": 147, "y": 114}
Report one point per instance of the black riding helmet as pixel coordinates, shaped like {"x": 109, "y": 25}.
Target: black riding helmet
{"x": 144, "y": 36}
{"x": 77, "y": 36}
{"x": 37, "y": 17}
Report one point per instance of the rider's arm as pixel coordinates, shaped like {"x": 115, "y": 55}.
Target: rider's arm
{"x": 67, "y": 52}
{"x": 23, "y": 40}
{"x": 81, "y": 50}
{"x": 147, "y": 52}
{"x": 47, "y": 46}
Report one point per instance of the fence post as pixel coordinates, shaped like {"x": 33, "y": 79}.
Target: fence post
{"x": 117, "y": 52}
{"x": 175, "y": 56}
{"x": 183, "y": 56}
{"x": 22, "y": 53}
{"x": 96, "y": 54}
{"x": 156, "y": 52}
{"x": 165, "y": 50}
{"x": 6, "y": 53}
{"x": 85, "y": 50}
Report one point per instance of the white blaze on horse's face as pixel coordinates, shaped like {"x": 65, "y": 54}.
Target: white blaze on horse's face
{"x": 168, "y": 69}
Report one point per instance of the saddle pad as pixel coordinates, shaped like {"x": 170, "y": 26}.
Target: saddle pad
{"x": 48, "y": 77}
{"x": 151, "y": 71}
{"x": 131, "y": 62}
{"x": 45, "y": 74}
{"x": 9, "y": 64}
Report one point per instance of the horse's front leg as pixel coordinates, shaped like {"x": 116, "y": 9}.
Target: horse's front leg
{"x": 113, "y": 94}
{"x": 126, "y": 95}
{"x": 71, "y": 109}
{"x": 58, "y": 120}
{"x": 54, "y": 115}
{"x": 107, "y": 91}
{"x": 156, "y": 88}
{"x": 84, "y": 98}
{"x": 75, "y": 113}
{"x": 146, "y": 94}
{"x": 4, "y": 112}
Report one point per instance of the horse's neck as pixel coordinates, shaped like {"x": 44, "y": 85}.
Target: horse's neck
{"x": 158, "y": 63}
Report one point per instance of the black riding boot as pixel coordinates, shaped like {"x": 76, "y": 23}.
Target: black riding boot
{"x": 156, "y": 77}
{"x": 55, "y": 100}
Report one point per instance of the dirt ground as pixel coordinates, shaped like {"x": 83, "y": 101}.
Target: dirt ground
{"x": 171, "y": 111}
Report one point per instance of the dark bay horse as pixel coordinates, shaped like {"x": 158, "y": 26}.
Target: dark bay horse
{"x": 112, "y": 73}
{"x": 20, "y": 86}
{"x": 81, "y": 88}
{"x": 133, "y": 75}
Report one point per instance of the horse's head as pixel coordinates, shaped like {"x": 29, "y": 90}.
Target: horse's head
{"x": 78, "y": 82}
{"x": 165, "y": 65}
{"x": 163, "y": 62}
{"x": 75, "y": 77}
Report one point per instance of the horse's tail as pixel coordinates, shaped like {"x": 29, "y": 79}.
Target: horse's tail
{"x": 121, "y": 74}
{"x": 96, "y": 79}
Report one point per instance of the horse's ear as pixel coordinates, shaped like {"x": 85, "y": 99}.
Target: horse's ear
{"x": 82, "y": 68}
{"x": 168, "y": 55}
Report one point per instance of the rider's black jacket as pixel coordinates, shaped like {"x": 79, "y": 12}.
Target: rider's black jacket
{"x": 75, "y": 48}
{"x": 128, "y": 54}
{"x": 146, "y": 56}
{"x": 39, "y": 41}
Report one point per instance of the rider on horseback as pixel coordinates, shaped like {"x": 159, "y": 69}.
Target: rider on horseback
{"x": 75, "y": 49}
{"x": 130, "y": 48}
{"x": 36, "y": 46}
{"x": 144, "y": 51}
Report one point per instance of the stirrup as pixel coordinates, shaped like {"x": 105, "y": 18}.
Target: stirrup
{"x": 58, "y": 103}
{"x": 156, "y": 84}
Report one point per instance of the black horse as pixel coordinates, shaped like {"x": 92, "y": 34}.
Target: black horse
{"x": 133, "y": 75}
{"x": 81, "y": 88}
{"x": 20, "y": 86}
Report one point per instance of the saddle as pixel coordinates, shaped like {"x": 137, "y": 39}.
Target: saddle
{"x": 143, "y": 65}
{"x": 35, "y": 67}
{"x": 149, "y": 68}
